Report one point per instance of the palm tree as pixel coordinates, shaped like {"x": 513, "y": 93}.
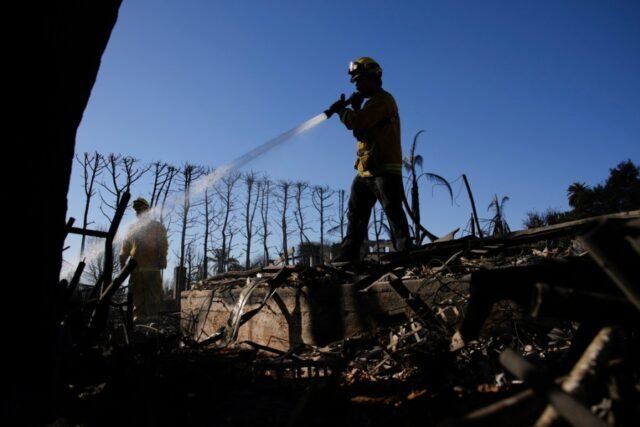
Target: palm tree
{"x": 410, "y": 163}
{"x": 576, "y": 193}
{"x": 497, "y": 224}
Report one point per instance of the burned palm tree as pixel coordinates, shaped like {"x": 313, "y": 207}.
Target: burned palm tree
{"x": 410, "y": 163}
{"x": 498, "y": 224}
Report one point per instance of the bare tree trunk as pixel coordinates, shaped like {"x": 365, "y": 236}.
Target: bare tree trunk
{"x": 91, "y": 167}
{"x": 224, "y": 190}
{"x": 189, "y": 174}
{"x": 123, "y": 173}
{"x": 165, "y": 188}
{"x": 320, "y": 197}
{"x": 283, "y": 198}
{"x": 250, "y": 208}
{"x": 209, "y": 216}
{"x": 341, "y": 222}
{"x": 299, "y": 212}
{"x": 264, "y": 195}
{"x": 163, "y": 174}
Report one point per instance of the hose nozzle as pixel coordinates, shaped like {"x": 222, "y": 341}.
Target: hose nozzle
{"x": 354, "y": 100}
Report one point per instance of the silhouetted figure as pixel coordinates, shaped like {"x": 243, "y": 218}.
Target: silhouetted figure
{"x": 146, "y": 242}
{"x": 376, "y": 127}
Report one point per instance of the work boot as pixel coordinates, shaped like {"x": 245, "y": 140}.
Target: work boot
{"x": 344, "y": 261}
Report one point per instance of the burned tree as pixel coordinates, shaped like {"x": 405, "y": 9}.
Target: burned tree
{"x": 410, "y": 163}
{"x": 498, "y": 224}
{"x": 320, "y": 197}
{"x": 208, "y": 217}
{"x": 250, "y": 208}
{"x": 190, "y": 173}
{"x": 283, "y": 195}
{"x": 379, "y": 226}
{"x": 298, "y": 214}
{"x": 225, "y": 220}
{"x": 123, "y": 172}
{"x": 92, "y": 165}
{"x": 264, "y": 195}
{"x": 163, "y": 175}
{"x": 341, "y": 221}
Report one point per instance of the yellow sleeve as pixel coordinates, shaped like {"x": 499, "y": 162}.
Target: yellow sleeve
{"x": 374, "y": 111}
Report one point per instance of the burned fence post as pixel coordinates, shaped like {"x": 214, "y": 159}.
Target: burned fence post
{"x": 542, "y": 384}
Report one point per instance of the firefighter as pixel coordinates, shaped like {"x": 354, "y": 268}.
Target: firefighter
{"x": 376, "y": 127}
{"x": 146, "y": 242}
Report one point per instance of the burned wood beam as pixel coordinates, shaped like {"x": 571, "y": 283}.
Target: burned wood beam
{"x": 517, "y": 284}
{"x": 108, "y": 244}
{"x": 596, "y": 355}
{"x": 75, "y": 280}
{"x": 516, "y": 238}
{"x": 499, "y": 412}
{"x": 70, "y": 222}
{"x": 575, "y": 304}
{"x": 235, "y": 274}
{"x": 98, "y": 317}
{"x": 566, "y": 228}
{"x": 542, "y": 384}
{"x": 87, "y": 232}
{"x": 119, "y": 279}
{"x": 109, "y": 236}
{"x": 65, "y": 291}
{"x": 615, "y": 246}
{"x": 419, "y": 307}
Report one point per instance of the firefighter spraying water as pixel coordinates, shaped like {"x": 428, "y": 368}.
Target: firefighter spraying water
{"x": 376, "y": 128}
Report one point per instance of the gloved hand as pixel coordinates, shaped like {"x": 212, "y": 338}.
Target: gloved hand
{"x": 337, "y": 107}
{"x": 356, "y": 100}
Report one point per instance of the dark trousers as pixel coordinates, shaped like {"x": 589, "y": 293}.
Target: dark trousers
{"x": 364, "y": 194}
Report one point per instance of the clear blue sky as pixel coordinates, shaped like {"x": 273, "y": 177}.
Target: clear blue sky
{"x": 524, "y": 97}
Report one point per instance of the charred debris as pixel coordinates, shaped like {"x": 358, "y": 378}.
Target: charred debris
{"x": 535, "y": 327}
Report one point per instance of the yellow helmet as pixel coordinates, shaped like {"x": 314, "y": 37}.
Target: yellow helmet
{"x": 364, "y": 65}
{"x": 140, "y": 203}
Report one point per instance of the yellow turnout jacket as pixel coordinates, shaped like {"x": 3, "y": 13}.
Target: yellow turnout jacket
{"x": 377, "y": 129}
{"x": 147, "y": 243}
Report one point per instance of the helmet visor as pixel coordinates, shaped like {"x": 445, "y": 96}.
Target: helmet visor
{"x": 355, "y": 67}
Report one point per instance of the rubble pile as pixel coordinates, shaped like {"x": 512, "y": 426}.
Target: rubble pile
{"x": 522, "y": 329}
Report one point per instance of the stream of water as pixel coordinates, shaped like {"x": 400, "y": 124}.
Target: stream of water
{"x": 94, "y": 252}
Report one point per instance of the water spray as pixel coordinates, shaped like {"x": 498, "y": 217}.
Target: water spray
{"x": 220, "y": 172}
{"x": 205, "y": 182}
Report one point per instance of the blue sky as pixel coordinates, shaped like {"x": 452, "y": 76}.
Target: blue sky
{"x": 524, "y": 97}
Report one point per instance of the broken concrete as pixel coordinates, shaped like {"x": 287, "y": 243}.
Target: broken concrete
{"x": 315, "y": 313}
